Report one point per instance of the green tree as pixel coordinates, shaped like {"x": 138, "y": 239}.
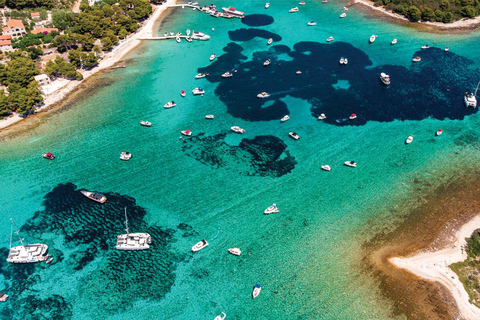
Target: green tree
{"x": 469, "y": 12}
{"x": 447, "y": 17}
{"x": 106, "y": 44}
{"x": 428, "y": 14}
{"x": 444, "y": 5}
{"x": 439, "y": 15}
{"x": 413, "y": 13}
{"x": 20, "y": 71}
{"x": 122, "y": 34}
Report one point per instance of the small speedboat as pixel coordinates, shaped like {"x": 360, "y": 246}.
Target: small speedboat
{"x": 237, "y": 129}
{"x": 294, "y": 135}
{"x": 285, "y": 118}
{"x": 394, "y": 41}
{"x": 220, "y": 316}
{"x": 182, "y": 93}
{"x": 352, "y": 164}
{"x": 212, "y": 57}
{"x": 187, "y": 133}
{"x": 446, "y": 49}
{"x": 172, "y": 34}
{"x": 178, "y": 39}
{"x": 267, "y": 62}
{"x": 298, "y": 72}
{"x": 416, "y": 59}
{"x": 439, "y": 132}
{"x": 425, "y": 46}
{"x": 169, "y": 104}
{"x": 372, "y": 38}
{"x": 146, "y": 123}
{"x": 294, "y": 9}
{"x": 199, "y": 246}
{"x": 227, "y": 75}
{"x": 3, "y": 297}
{"x": 256, "y": 290}
{"x": 409, "y": 139}
{"x": 346, "y": 61}
{"x": 311, "y": 23}
{"x": 198, "y": 90}
{"x": 263, "y": 95}
{"x": 235, "y": 251}
{"x": 97, "y": 197}
{"x": 343, "y": 15}
{"x": 322, "y": 116}
{"x": 326, "y": 167}
{"x": 48, "y": 156}
{"x": 272, "y": 209}
{"x": 352, "y": 116}
{"x": 385, "y": 78}
{"x": 267, "y": 5}
{"x": 200, "y": 76}
{"x": 330, "y": 39}
{"x": 189, "y": 39}
{"x": 125, "y": 156}
{"x": 270, "y": 41}
{"x": 209, "y": 116}
{"x": 302, "y": 3}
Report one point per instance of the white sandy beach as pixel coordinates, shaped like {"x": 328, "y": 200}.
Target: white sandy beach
{"x": 113, "y": 57}
{"x": 434, "y": 266}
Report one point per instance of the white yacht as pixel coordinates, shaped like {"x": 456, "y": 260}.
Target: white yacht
{"x": 330, "y": 39}
{"x": 209, "y": 116}
{"x": 227, "y": 75}
{"x": 146, "y": 123}
{"x": 133, "y": 241}
{"x": 311, "y": 23}
{"x": 409, "y": 139}
{"x": 343, "y": 15}
{"x": 187, "y": 133}
{"x": 125, "y": 156}
{"x": 294, "y": 135}
{"x": 197, "y": 35}
{"x": 237, "y": 129}
{"x": 270, "y": 41}
{"x": 322, "y": 116}
{"x": 169, "y": 104}
{"x": 294, "y": 9}
{"x": 285, "y": 118}
{"x": 220, "y": 316}
{"x": 471, "y": 98}
{"x": 200, "y": 76}
{"x": 372, "y": 38}
{"x": 272, "y": 209}
{"x": 97, "y": 197}
{"x": 267, "y": 5}
{"x": 263, "y": 95}
{"x": 256, "y": 290}
{"x": 213, "y": 56}
{"x": 439, "y": 132}
{"x": 326, "y": 167}
{"x": 234, "y": 12}
{"x": 267, "y": 62}
{"x": 394, "y": 41}
{"x": 235, "y": 251}
{"x": 385, "y": 78}
{"x": 198, "y": 90}
{"x": 352, "y": 164}
{"x": 199, "y": 246}
{"x": 26, "y": 253}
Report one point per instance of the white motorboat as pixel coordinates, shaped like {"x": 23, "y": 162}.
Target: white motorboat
{"x": 133, "y": 241}
{"x": 235, "y": 251}
{"x": 425, "y": 46}
{"x": 146, "y": 123}
{"x": 352, "y": 164}
{"x": 439, "y": 132}
{"x": 213, "y": 56}
{"x": 294, "y": 135}
{"x": 220, "y": 316}
{"x": 285, "y": 118}
{"x": 346, "y": 61}
{"x": 256, "y": 290}
{"x": 183, "y": 93}
{"x": 199, "y": 246}
{"x": 385, "y": 78}
{"x": 188, "y": 32}
{"x": 267, "y": 62}
{"x": 446, "y": 49}
{"x": 48, "y": 156}
{"x": 263, "y": 95}
{"x": 302, "y": 3}
{"x": 187, "y": 133}
{"x": 189, "y": 39}
{"x": 416, "y": 59}
{"x": 26, "y": 253}
{"x": 234, "y": 12}
{"x": 197, "y": 35}
{"x": 294, "y": 9}
{"x": 342, "y": 60}
{"x": 394, "y": 41}
{"x": 97, "y": 197}
{"x": 372, "y": 38}
{"x": 326, "y": 167}
{"x": 352, "y": 116}
{"x": 169, "y": 104}
{"x": 198, "y": 90}
{"x": 172, "y": 34}
{"x": 210, "y": 116}
{"x": 409, "y": 139}
{"x": 227, "y": 74}
{"x": 125, "y": 156}
{"x": 3, "y": 297}
{"x": 178, "y": 39}
{"x": 311, "y": 23}
{"x": 330, "y": 39}
{"x": 470, "y": 99}
{"x": 267, "y": 5}
{"x": 272, "y": 209}
{"x": 322, "y": 116}
{"x": 200, "y": 75}
{"x": 343, "y": 15}
{"x": 270, "y": 41}
{"x": 298, "y": 72}
{"x": 237, "y": 129}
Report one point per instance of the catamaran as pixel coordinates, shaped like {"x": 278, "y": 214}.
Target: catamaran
{"x": 26, "y": 253}
{"x": 470, "y": 99}
{"x": 133, "y": 241}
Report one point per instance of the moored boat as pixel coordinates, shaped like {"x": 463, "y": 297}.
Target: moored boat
{"x": 416, "y": 59}
{"x": 425, "y": 46}
{"x": 50, "y": 259}
{"x": 178, "y": 39}
{"x": 294, "y": 9}
{"x": 3, "y": 297}
{"x": 330, "y": 39}
{"x": 125, "y": 156}
{"x": 133, "y": 241}
{"x": 270, "y": 41}
{"x": 197, "y": 35}
{"x": 227, "y": 74}
{"x": 394, "y": 41}
{"x": 26, "y": 253}
{"x": 298, "y": 72}
{"x": 199, "y": 246}
{"x": 169, "y": 104}
{"x": 146, "y": 123}
{"x": 409, "y": 139}
{"x": 272, "y": 209}
{"x": 234, "y": 12}
{"x": 263, "y": 95}
{"x": 235, "y": 251}
{"x": 209, "y": 116}
{"x": 311, "y": 23}
{"x": 302, "y": 3}
{"x": 352, "y": 164}
{"x": 220, "y": 316}
{"x": 294, "y": 135}
{"x": 326, "y": 167}
{"x": 200, "y": 76}
{"x": 213, "y": 56}
{"x": 446, "y": 49}
{"x": 198, "y": 90}
{"x": 187, "y": 133}
{"x": 48, "y": 156}
{"x": 285, "y": 118}
{"x": 385, "y": 78}
{"x": 342, "y": 60}
{"x": 322, "y": 116}
{"x": 372, "y": 38}
{"x": 256, "y": 290}
{"x": 470, "y": 99}
{"x": 439, "y": 132}
{"x": 182, "y": 93}
{"x": 343, "y": 15}
{"x": 97, "y": 197}
{"x": 267, "y": 5}
{"x": 237, "y": 129}
{"x": 352, "y": 116}
{"x": 267, "y": 62}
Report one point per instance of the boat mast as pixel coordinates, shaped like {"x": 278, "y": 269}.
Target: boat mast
{"x": 477, "y": 88}
{"x": 17, "y": 232}
{"x": 126, "y": 220}
{"x": 11, "y": 232}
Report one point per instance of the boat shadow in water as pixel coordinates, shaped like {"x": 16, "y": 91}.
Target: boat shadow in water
{"x": 88, "y": 232}
{"x": 433, "y": 87}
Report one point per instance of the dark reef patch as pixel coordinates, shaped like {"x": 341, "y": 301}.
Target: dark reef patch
{"x": 249, "y": 34}
{"x": 257, "y": 20}
{"x": 261, "y": 156}
{"x": 433, "y": 87}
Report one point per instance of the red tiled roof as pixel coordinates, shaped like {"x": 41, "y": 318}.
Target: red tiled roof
{"x": 43, "y": 30}
{"x": 5, "y": 37}
{"x": 35, "y": 14}
{"x": 5, "y": 28}
{"x": 5, "y": 43}
{"x": 15, "y": 24}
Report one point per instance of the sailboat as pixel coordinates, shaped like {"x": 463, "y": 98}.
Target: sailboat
{"x": 132, "y": 241}
{"x": 26, "y": 253}
{"x": 470, "y": 99}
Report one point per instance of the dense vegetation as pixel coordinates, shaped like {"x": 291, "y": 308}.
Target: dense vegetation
{"x": 433, "y": 10}
{"x": 22, "y": 4}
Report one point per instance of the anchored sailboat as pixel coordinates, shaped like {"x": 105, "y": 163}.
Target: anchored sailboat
{"x": 470, "y": 99}
{"x": 133, "y": 241}
{"x": 26, "y": 253}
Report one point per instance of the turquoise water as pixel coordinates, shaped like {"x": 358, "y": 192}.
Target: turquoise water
{"x": 215, "y": 185}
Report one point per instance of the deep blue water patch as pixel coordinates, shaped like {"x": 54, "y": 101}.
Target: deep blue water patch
{"x": 257, "y": 20}
{"x": 433, "y": 87}
{"x": 90, "y": 230}
{"x": 249, "y": 34}
{"x": 261, "y": 156}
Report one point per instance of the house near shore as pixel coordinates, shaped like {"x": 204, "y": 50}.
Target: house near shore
{"x": 14, "y": 28}
{"x": 35, "y": 15}
{"x": 6, "y": 43}
{"x": 43, "y": 80}
{"x": 43, "y": 30}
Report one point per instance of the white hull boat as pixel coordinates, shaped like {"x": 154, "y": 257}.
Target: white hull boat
{"x": 212, "y": 57}
{"x": 256, "y": 290}
{"x": 373, "y": 38}
{"x": 26, "y": 253}
{"x": 97, "y": 197}
{"x": 187, "y": 133}
{"x": 237, "y": 129}
{"x": 263, "y": 95}
{"x": 394, "y": 41}
{"x": 209, "y": 116}
{"x": 170, "y": 104}
{"x": 272, "y": 209}
{"x": 409, "y": 139}
{"x": 227, "y": 75}
{"x": 439, "y": 132}
{"x": 270, "y": 41}
{"x": 200, "y": 76}
{"x": 294, "y": 135}
{"x": 294, "y": 9}
{"x": 132, "y": 241}
{"x": 220, "y": 316}
{"x": 311, "y": 23}
{"x": 326, "y": 168}
{"x": 267, "y": 5}
{"x": 322, "y": 116}
{"x": 146, "y": 123}
{"x": 199, "y": 246}
{"x": 285, "y": 118}
{"x": 125, "y": 156}
{"x": 352, "y": 164}
{"x": 235, "y": 251}
{"x": 330, "y": 39}
{"x": 198, "y": 91}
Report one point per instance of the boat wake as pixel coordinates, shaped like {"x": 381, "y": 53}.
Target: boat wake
{"x": 218, "y": 232}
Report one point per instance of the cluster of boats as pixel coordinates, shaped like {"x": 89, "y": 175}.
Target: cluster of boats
{"x": 343, "y": 60}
